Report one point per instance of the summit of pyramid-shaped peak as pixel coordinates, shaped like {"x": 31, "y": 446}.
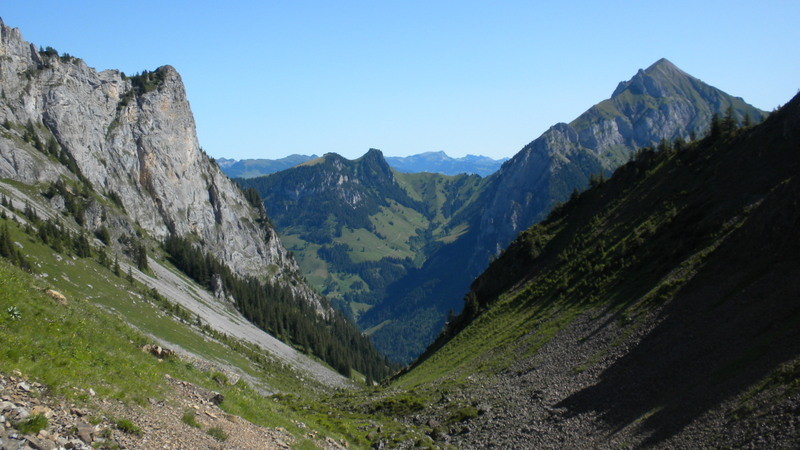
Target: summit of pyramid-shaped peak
{"x": 659, "y": 79}
{"x": 662, "y": 64}
{"x": 666, "y": 69}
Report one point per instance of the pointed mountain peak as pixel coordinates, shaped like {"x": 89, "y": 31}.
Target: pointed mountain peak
{"x": 661, "y": 64}
{"x": 374, "y": 157}
{"x": 374, "y": 164}
{"x": 373, "y": 153}
{"x": 666, "y": 69}
{"x": 661, "y": 79}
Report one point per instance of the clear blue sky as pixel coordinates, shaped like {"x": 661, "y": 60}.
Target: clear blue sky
{"x": 269, "y": 78}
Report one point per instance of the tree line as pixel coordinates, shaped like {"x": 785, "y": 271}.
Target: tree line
{"x": 274, "y": 308}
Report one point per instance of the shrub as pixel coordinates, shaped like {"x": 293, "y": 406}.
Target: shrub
{"x": 218, "y": 434}
{"x": 126, "y": 426}
{"x": 220, "y": 378}
{"x": 33, "y": 424}
{"x": 13, "y": 313}
{"x": 398, "y": 406}
{"x": 190, "y": 419}
{"x": 465, "y": 413}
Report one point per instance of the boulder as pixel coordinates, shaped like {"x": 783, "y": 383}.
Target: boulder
{"x": 59, "y": 298}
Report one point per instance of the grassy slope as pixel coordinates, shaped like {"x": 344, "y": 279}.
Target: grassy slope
{"x": 94, "y": 342}
{"x": 708, "y": 233}
{"x": 398, "y": 231}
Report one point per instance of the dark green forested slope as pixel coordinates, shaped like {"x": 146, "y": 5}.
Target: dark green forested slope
{"x": 272, "y": 308}
{"x": 356, "y": 226}
{"x": 662, "y": 304}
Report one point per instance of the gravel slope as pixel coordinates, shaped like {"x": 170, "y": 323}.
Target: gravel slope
{"x": 550, "y": 401}
{"x": 224, "y": 318}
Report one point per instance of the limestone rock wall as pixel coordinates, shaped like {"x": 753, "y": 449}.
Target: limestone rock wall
{"x": 140, "y": 144}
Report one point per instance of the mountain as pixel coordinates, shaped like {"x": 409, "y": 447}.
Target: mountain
{"x": 658, "y": 103}
{"x": 132, "y": 138}
{"x": 439, "y": 162}
{"x": 657, "y": 309}
{"x": 117, "y": 157}
{"x": 356, "y": 226}
{"x": 249, "y": 168}
{"x": 434, "y": 162}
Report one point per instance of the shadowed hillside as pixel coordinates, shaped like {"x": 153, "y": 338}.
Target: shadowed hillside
{"x": 657, "y": 308}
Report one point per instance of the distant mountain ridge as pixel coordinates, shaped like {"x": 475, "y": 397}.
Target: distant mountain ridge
{"x": 439, "y": 162}
{"x": 249, "y": 168}
{"x": 433, "y": 162}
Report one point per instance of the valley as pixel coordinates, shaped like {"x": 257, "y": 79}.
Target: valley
{"x": 443, "y": 231}
{"x": 357, "y": 226}
{"x": 628, "y": 279}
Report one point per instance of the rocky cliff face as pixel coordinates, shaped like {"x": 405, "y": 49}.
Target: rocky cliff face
{"x": 133, "y": 139}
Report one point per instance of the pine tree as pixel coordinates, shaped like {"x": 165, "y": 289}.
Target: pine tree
{"x": 81, "y": 246}
{"x": 664, "y": 146}
{"x": 471, "y": 305}
{"x": 102, "y": 258}
{"x": 748, "y": 122}
{"x": 52, "y": 147}
{"x": 729, "y": 122}
{"x": 715, "y": 130}
{"x": 140, "y": 255}
{"x": 6, "y": 247}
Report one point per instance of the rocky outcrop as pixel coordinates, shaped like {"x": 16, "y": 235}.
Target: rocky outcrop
{"x": 132, "y": 138}
{"x": 95, "y": 423}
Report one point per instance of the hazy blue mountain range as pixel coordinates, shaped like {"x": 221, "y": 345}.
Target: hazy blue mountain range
{"x": 439, "y": 162}
{"x": 434, "y": 162}
{"x": 249, "y": 168}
